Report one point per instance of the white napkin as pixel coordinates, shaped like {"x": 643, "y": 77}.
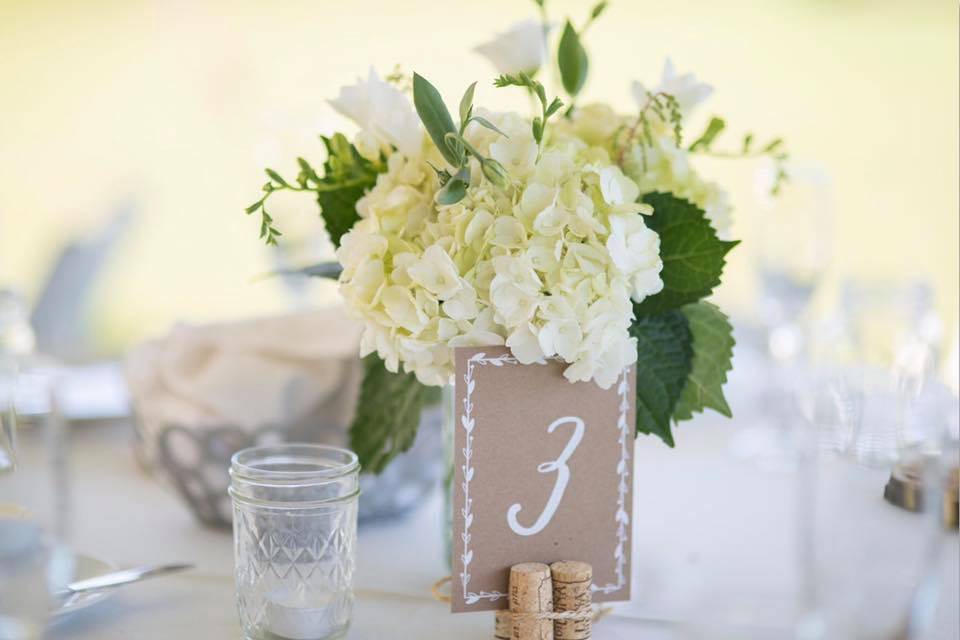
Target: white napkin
{"x": 287, "y": 370}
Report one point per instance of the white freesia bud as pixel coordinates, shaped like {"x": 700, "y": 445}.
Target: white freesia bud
{"x": 382, "y": 112}
{"x": 522, "y": 47}
{"x": 688, "y": 91}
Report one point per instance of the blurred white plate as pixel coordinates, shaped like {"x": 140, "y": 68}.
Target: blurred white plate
{"x": 85, "y": 567}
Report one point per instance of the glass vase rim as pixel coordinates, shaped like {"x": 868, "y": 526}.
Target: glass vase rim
{"x": 329, "y": 462}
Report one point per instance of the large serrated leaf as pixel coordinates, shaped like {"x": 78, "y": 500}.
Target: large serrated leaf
{"x": 338, "y": 207}
{"x": 664, "y": 356}
{"x": 388, "y": 414}
{"x": 693, "y": 256}
{"x": 347, "y": 177}
{"x": 712, "y": 359}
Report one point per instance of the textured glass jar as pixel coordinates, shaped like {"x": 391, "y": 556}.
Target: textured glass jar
{"x": 295, "y": 530}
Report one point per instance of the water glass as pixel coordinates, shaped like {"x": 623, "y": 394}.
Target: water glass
{"x": 870, "y": 567}
{"x": 295, "y": 529}
{"x": 24, "y": 559}
{"x": 8, "y": 426}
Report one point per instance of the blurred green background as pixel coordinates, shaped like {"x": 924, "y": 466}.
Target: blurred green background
{"x": 175, "y": 107}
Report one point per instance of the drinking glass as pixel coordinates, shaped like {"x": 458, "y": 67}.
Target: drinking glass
{"x": 869, "y": 566}
{"x": 295, "y": 527}
{"x": 8, "y": 426}
{"x": 34, "y": 559}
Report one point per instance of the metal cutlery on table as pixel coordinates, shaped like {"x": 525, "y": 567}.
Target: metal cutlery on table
{"x": 118, "y": 578}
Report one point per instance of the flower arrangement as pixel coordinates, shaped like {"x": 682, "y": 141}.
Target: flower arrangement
{"x": 575, "y": 233}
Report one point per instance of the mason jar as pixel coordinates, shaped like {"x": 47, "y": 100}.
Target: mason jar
{"x": 295, "y": 531}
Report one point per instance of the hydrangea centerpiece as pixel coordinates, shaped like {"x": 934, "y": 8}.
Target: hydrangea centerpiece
{"x": 576, "y": 233}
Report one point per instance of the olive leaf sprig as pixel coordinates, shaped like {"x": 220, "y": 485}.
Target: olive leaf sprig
{"x": 547, "y": 109}
{"x": 451, "y": 143}
{"x": 774, "y": 149}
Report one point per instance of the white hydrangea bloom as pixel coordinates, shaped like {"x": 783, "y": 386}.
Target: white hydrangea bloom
{"x": 549, "y": 266}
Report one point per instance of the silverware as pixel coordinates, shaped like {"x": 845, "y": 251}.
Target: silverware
{"x": 117, "y": 578}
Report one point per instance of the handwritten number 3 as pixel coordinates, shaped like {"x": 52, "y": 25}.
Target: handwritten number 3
{"x": 560, "y": 485}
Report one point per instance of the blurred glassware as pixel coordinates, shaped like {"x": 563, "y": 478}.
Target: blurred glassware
{"x": 8, "y": 417}
{"x": 870, "y": 568}
{"x": 34, "y": 522}
{"x": 295, "y": 530}
{"x": 16, "y": 335}
{"x": 16, "y": 341}
{"x": 24, "y": 560}
{"x": 884, "y": 324}
{"x": 792, "y": 251}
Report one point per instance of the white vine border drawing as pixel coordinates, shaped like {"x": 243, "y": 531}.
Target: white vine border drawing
{"x": 468, "y": 423}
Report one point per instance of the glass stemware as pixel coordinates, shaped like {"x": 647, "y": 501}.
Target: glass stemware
{"x": 792, "y": 252}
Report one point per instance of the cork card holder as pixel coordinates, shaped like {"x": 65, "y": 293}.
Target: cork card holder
{"x": 542, "y": 472}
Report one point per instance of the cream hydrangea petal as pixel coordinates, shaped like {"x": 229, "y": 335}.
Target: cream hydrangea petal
{"x": 524, "y": 345}
{"x": 436, "y": 272}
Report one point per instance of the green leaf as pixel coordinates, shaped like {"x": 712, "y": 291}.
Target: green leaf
{"x": 347, "y": 177}
{"x": 554, "y": 107}
{"x": 714, "y": 127}
{"x": 712, "y": 359}
{"x": 597, "y": 10}
{"x": 276, "y": 177}
{"x": 455, "y": 188}
{"x": 483, "y": 122}
{"x": 388, "y": 414}
{"x": 693, "y": 257}
{"x": 338, "y": 208}
{"x": 466, "y": 104}
{"x": 664, "y": 356}
{"x": 572, "y": 59}
{"x": 773, "y": 145}
{"x": 434, "y": 115}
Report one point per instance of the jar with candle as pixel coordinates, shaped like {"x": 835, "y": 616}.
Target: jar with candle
{"x": 295, "y": 529}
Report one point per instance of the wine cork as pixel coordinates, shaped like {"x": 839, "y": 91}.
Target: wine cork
{"x": 502, "y": 629}
{"x": 572, "y": 583}
{"x": 531, "y": 593}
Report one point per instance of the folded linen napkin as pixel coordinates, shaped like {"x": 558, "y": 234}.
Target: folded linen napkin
{"x": 294, "y": 370}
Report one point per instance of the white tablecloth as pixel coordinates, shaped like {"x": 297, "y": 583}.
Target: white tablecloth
{"x": 714, "y": 543}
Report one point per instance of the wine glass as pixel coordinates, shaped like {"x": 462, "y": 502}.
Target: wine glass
{"x": 791, "y": 251}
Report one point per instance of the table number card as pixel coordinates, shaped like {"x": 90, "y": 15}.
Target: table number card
{"x": 542, "y": 473}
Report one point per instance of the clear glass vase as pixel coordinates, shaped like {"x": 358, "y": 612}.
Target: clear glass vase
{"x": 449, "y": 419}
{"x": 295, "y": 529}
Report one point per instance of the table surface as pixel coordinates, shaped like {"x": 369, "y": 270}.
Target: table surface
{"x": 714, "y": 548}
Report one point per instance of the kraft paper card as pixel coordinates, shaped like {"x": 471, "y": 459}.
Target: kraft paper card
{"x": 543, "y": 472}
